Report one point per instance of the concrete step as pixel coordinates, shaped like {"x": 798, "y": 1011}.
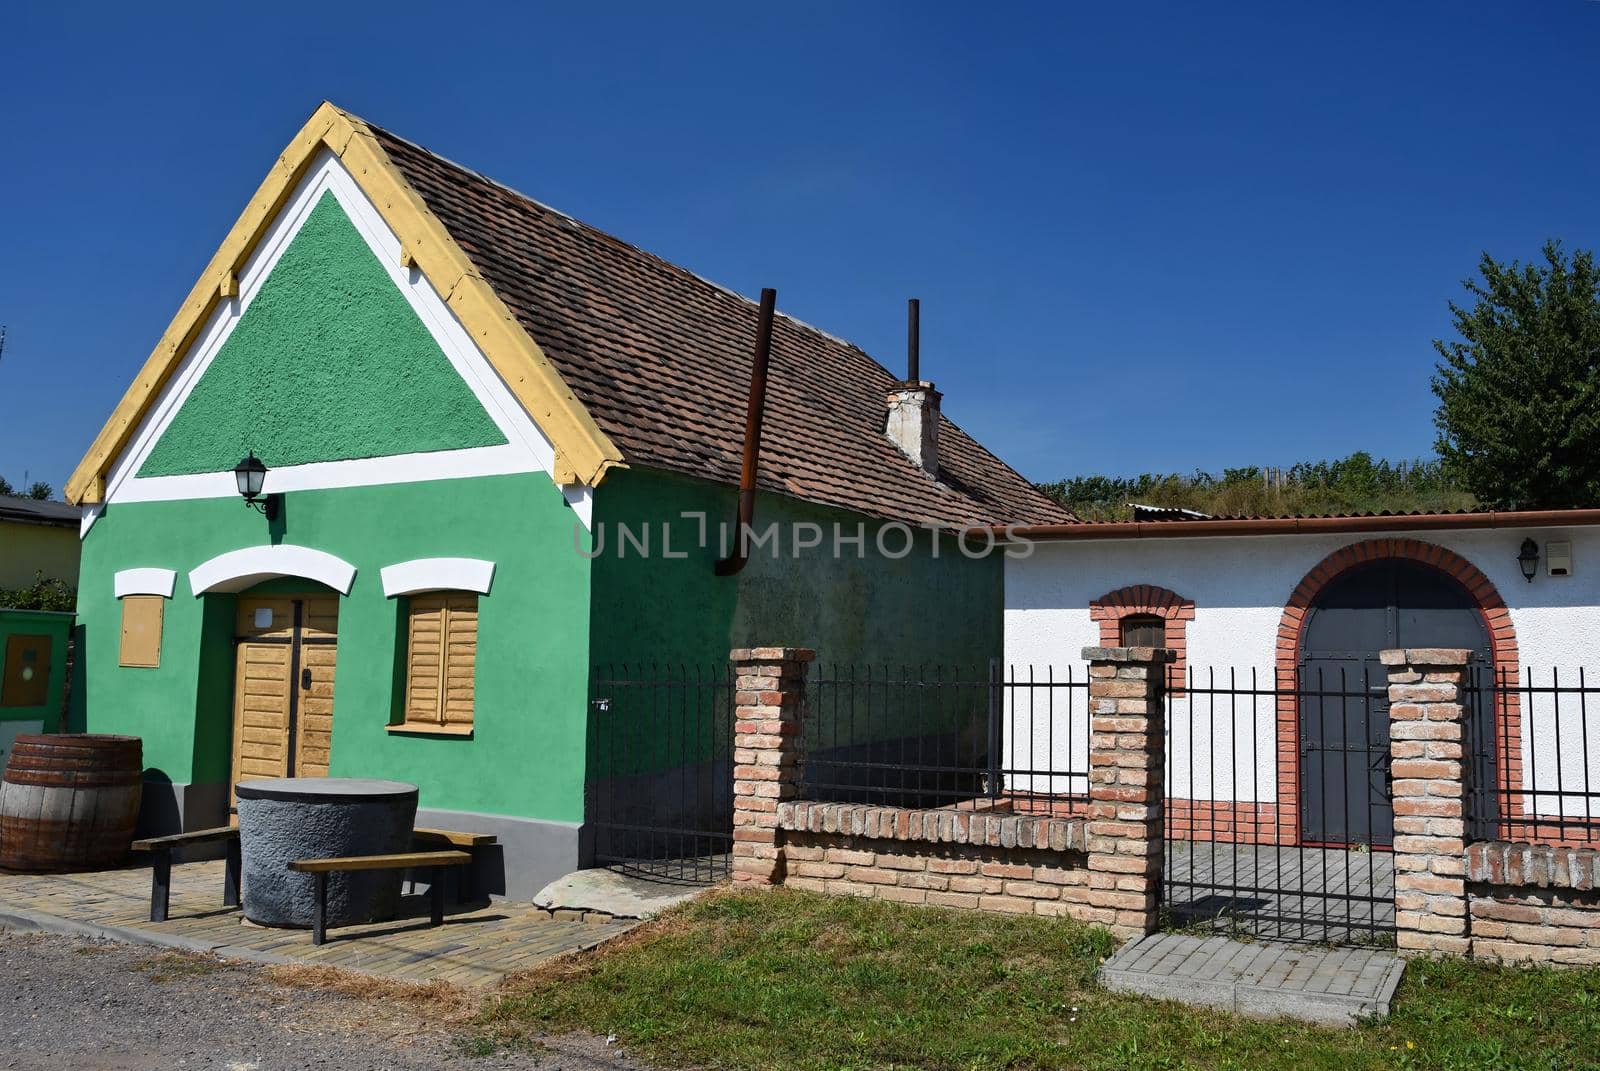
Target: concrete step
{"x": 1264, "y": 979}
{"x": 612, "y": 893}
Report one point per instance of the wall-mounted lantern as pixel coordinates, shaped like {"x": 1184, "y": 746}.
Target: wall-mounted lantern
{"x": 1528, "y": 558}
{"x": 251, "y": 474}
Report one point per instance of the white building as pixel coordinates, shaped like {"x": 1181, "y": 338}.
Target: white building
{"x": 1278, "y": 722}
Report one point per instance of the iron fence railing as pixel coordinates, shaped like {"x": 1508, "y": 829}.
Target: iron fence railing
{"x": 1535, "y": 738}
{"x": 940, "y": 736}
{"x": 659, "y": 785}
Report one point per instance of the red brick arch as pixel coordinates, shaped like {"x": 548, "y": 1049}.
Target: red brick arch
{"x": 1291, "y": 628}
{"x": 1110, "y": 608}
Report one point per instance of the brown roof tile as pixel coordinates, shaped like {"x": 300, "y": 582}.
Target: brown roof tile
{"x": 661, "y": 359}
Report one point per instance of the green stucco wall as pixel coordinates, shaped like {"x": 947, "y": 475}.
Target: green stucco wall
{"x": 526, "y": 756}
{"x": 914, "y": 610}
{"x": 329, "y": 362}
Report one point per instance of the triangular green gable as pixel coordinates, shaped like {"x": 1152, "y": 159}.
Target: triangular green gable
{"x": 328, "y": 363}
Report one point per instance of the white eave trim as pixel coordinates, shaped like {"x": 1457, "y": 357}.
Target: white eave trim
{"x": 437, "y": 574}
{"x": 145, "y": 582}
{"x": 239, "y": 569}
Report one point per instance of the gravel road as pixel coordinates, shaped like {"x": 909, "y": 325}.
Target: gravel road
{"x": 73, "y": 1003}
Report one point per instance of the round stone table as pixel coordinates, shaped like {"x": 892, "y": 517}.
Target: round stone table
{"x": 288, "y": 818}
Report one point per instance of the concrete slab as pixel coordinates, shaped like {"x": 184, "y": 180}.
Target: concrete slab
{"x": 1326, "y": 986}
{"x": 609, "y": 892}
{"x": 1322, "y": 895}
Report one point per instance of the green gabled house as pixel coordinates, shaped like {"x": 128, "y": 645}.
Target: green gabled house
{"x": 496, "y": 447}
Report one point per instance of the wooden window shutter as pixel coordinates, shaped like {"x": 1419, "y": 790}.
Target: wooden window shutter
{"x": 141, "y": 630}
{"x": 441, "y": 657}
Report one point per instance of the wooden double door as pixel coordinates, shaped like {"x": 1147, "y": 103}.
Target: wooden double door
{"x": 287, "y": 648}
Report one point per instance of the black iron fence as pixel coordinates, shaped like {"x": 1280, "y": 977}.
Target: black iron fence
{"x": 659, "y": 790}
{"x": 945, "y": 736}
{"x": 1534, "y": 735}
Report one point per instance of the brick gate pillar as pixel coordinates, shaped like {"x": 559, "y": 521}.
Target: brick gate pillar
{"x": 1127, "y": 766}
{"x": 1426, "y": 703}
{"x": 769, "y": 689}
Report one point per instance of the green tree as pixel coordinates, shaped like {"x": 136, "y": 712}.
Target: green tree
{"x": 5, "y": 487}
{"x": 1519, "y": 391}
{"x": 40, "y": 491}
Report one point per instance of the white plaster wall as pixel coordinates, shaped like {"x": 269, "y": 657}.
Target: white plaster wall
{"x": 1239, "y": 586}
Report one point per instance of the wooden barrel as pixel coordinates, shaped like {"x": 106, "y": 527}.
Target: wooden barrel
{"x": 69, "y": 801}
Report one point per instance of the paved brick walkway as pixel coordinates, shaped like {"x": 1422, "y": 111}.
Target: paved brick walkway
{"x": 477, "y": 946}
{"x": 1330, "y": 986}
{"x": 1290, "y": 894}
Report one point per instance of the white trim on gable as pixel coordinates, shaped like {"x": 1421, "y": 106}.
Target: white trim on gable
{"x": 527, "y": 448}
{"x": 239, "y": 569}
{"x": 581, "y": 499}
{"x": 437, "y": 574}
{"x": 149, "y": 581}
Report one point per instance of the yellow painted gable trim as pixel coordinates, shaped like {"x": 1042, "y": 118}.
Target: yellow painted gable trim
{"x": 583, "y": 452}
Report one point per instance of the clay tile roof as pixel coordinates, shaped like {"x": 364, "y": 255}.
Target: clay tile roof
{"x": 661, "y": 358}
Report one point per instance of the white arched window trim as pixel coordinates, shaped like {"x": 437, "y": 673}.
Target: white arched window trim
{"x": 149, "y": 581}
{"x": 437, "y": 574}
{"x": 240, "y": 569}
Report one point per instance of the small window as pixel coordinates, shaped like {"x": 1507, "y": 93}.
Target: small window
{"x": 1144, "y": 630}
{"x": 141, "y": 631}
{"x": 441, "y": 654}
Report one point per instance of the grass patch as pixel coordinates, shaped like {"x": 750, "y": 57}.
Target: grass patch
{"x": 794, "y": 980}
{"x": 167, "y": 965}
{"x": 436, "y": 1001}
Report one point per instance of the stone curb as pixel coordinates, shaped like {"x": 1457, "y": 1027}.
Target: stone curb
{"x": 20, "y": 919}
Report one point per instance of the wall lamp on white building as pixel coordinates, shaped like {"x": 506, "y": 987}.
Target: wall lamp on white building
{"x": 1529, "y": 559}
{"x": 251, "y": 474}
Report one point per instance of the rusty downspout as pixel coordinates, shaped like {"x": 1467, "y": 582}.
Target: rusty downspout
{"x": 754, "y": 411}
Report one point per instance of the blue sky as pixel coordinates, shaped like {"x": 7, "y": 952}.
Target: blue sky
{"x": 1146, "y": 236}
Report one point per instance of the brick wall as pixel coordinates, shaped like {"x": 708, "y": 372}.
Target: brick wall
{"x": 945, "y": 857}
{"x": 1534, "y": 903}
{"x": 769, "y": 690}
{"x": 1507, "y": 901}
{"x": 1103, "y": 866}
{"x": 1428, "y": 788}
{"x": 1127, "y": 784}
{"x": 1228, "y": 822}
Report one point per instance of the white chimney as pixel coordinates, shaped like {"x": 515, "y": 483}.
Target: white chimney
{"x": 914, "y": 405}
{"x": 914, "y": 423}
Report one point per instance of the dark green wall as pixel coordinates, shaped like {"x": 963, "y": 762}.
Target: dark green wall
{"x": 920, "y": 609}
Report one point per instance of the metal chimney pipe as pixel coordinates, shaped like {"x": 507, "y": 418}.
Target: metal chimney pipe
{"x": 755, "y": 410}
{"x": 913, "y": 340}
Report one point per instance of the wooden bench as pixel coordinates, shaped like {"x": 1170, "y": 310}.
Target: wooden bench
{"x": 436, "y": 862}
{"x": 468, "y": 842}
{"x": 161, "y": 866}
